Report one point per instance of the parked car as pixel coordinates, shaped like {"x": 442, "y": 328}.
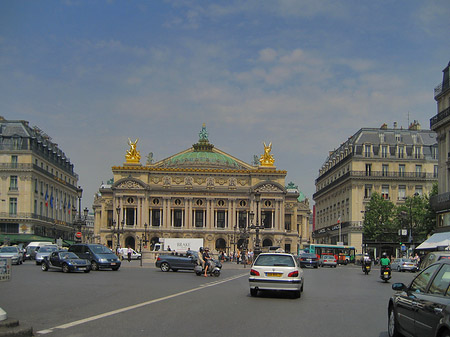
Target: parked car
{"x": 403, "y": 264}
{"x": 276, "y": 271}
{"x": 100, "y": 256}
{"x": 65, "y": 261}
{"x": 422, "y": 309}
{"x": 433, "y": 257}
{"x": 309, "y": 260}
{"x": 44, "y": 251}
{"x": 124, "y": 254}
{"x": 175, "y": 262}
{"x": 328, "y": 260}
{"x": 13, "y": 253}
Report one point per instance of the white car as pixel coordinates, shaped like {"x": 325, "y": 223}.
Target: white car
{"x": 276, "y": 271}
{"x": 124, "y": 254}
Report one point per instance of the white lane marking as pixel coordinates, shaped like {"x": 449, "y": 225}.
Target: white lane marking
{"x": 139, "y": 305}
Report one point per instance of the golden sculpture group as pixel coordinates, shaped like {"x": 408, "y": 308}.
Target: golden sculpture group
{"x": 133, "y": 155}
{"x": 267, "y": 159}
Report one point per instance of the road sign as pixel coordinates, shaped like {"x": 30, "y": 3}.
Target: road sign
{"x": 78, "y": 235}
{"x": 5, "y": 269}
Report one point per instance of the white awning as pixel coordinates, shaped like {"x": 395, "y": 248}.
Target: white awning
{"x": 435, "y": 241}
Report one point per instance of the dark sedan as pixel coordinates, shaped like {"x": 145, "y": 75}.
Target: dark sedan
{"x": 308, "y": 260}
{"x": 178, "y": 262}
{"x": 175, "y": 262}
{"x": 422, "y": 309}
{"x": 65, "y": 261}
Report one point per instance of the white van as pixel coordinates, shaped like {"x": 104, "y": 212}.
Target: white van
{"x": 123, "y": 252}
{"x": 32, "y": 247}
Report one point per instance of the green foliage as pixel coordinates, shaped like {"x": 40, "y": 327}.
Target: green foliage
{"x": 383, "y": 220}
{"x": 378, "y": 219}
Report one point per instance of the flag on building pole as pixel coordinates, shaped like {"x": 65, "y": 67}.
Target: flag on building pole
{"x": 46, "y": 198}
{"x": 68, "y": 207}
{"x": 51, "y": 200}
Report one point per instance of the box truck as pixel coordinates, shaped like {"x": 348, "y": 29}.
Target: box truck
{"x": 179, "y": 245}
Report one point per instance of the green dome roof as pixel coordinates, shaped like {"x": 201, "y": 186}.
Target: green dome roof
{"x": 203, "y": 159}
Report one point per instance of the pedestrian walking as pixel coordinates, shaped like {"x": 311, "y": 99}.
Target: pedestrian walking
{"x": 129, "y": 252}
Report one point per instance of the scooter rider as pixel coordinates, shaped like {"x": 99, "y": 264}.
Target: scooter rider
{"x": 366, "y": 260}
{"x": 384, "y": 262}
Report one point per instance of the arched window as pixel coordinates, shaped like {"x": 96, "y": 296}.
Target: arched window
{"x": 267, "y": 243}
{"x": 220, "y": 244}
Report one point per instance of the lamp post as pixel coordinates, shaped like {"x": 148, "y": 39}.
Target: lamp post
{"x": 257, "y": 227}
{"x": 145, "y": 235}
{"x": 118, "y": 229}
{"x": 79, "y": 220}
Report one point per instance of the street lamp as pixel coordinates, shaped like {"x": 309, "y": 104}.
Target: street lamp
{"x": 145, "y": 235}
{"x": 79, "y": 220}
{"x": 257, "y": 227}
{"x": 118, "y": 229}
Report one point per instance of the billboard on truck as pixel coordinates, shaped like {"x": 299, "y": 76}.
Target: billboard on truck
{"x": 179, "y": 244}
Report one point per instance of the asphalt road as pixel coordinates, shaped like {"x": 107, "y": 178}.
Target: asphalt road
{"x": 143, "y": 301}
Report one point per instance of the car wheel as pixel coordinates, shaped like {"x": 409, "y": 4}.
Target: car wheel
{"x": 94, "y": 265}
{"x": 297, "y": 294}
{"x": 398, "y": 268}
{"x": 44, "y": 266}
{"x": 165, "y": 267}
{"x": 445, "y": 334}
{"x": 316, "y": 267}
{"x": 253, "y": 292}
{"x": 65, "y": 268}
{"x": 392, "y": 324}
{"x": 198, "y": 273}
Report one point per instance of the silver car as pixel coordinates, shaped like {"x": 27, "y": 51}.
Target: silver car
{"x": 43, "y": 252}
{"x": 12, "y": 252}
{"x": 403, "y": 264}
{"x": 276, "y": 271}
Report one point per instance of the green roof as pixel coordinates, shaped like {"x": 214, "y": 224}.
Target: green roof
{"x": 203, "y": 159}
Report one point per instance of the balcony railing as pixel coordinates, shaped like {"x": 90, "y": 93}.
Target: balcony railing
{"x": 5, "y": 216}
{"x": 379, "y": 175}
{"x": 439, "y": 117}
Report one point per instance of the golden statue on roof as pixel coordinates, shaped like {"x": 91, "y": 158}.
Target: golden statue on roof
{"x": 267, "y": 159}
{"x": 133, "y": 155}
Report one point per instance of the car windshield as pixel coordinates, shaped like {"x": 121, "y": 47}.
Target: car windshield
{"x": 47, "y": 249}
{"x": 275, "y": 260}
{"x": 68, "y": 255}
{"x": 309, "y": 256}
{"x": 8, "y": 250}
{"x": 328, "y": 257}
{"x": 99, "y": 249}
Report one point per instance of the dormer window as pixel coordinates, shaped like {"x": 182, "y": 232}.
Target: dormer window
{"x": 367, "y": 150}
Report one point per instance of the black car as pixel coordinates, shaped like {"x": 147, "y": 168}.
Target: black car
{"x": 422, "y": 309}
{"x": 65, "y": 261}
{"x": 308, "y": 260}
{"x": 179, "y": 262}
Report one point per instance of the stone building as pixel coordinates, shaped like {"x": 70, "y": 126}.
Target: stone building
{"x": 395, "y": 163}
{"x": 201, "y": 192}
{"x": 38, "y": 186}
{"x": 441, "y": 124}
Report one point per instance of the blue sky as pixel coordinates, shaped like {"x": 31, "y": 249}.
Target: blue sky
{"x": 304, "y": 75}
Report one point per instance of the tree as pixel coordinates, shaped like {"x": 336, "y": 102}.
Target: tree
{"x": 417, "y": 214}
{"x": 379, "y": 224}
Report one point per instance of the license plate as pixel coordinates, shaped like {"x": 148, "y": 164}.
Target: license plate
{"x": 81, "y": 268}
{"x": 113, "y": 264}
{"x": 386, "y": 273}
{"x": 275, "y": 274}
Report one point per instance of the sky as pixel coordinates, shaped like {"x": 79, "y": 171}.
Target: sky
{"x": 303, "y": 75}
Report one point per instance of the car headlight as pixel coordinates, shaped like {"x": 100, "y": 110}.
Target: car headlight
{"x": 103, "y": 260}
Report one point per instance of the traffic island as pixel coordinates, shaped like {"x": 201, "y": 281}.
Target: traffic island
{"x": 11, "y": 328}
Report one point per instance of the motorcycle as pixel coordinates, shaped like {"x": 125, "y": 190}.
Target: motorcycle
{"x": 385, "y": 273}
{"x": 366, "y": 268}
{"x": 213, "y": 269}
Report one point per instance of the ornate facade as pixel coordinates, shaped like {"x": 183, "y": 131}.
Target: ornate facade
{"x": 201, "y": 192}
